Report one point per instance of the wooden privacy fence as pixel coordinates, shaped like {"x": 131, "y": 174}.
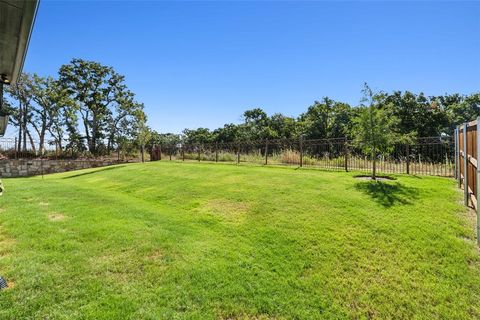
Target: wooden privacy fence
{"x": 467, "y": 170}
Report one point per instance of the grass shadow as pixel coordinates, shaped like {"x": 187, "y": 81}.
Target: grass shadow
{"x": 388, "y": 194}
{"x": 92, "y": 172}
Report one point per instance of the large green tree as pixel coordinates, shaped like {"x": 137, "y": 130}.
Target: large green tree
{"x": 20, "y": 98}
{"x": 199, "y": 135}
{"x": 50, "y": 100}
{"x": 326, "y": 119}
{"x": 103, "y": 100}
{"x": 418, "y": 115}
{"x": 458, "y": 108}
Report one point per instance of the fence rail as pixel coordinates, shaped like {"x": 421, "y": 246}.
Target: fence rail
{"x": 427, "y": 156}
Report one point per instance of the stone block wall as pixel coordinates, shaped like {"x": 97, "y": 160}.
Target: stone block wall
{"x": 32, "y": 167}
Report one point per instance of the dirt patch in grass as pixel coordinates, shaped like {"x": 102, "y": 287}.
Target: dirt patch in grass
{"x": 117, "y": 267}
{"x": 228, "y": 209}
{"x": 56, "y": 216}
{"x": 6, "y": 243}
{"x": 156, "y": 256}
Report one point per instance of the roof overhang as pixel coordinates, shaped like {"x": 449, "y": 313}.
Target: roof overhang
{"x": 16, "y": 23}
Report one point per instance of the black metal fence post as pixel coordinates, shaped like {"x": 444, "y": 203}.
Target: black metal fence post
{"x": 408, "y": 157}
{"x": 199, "y": 147}
{"x": 301, "y": 150}
{"x": 266, "y": 151}
{"x": 238, "y": 153}
{"x": 345, "y": 150}
{"x": 216, "y": 151}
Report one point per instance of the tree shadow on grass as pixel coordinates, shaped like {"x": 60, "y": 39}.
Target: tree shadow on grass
{"x": 388, "y": 194}
{"x": 92, "y": 172}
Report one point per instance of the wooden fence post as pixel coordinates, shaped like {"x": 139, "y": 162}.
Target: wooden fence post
{"x": 408, "y": 157}
{"x": 478, "y": 181}
{"x": 455, "y": 143}
{"x": 457, "y": 157}
{"x": 266, "y": 151}
{"x": 465, "y": 164}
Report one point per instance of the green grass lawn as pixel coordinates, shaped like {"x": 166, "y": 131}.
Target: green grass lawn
{"x": 211, "y": 241}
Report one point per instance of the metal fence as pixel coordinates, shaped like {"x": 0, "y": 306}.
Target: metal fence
{"x": 427, "y": 156}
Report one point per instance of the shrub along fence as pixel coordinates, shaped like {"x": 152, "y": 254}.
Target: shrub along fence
{"x": 427, "y": 156}
{"x": 467, "y": 169}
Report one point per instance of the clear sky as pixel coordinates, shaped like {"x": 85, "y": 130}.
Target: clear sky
{"x": 201, "y": 64}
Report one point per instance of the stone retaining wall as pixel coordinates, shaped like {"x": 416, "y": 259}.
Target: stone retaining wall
{"x": 25, "y": 168}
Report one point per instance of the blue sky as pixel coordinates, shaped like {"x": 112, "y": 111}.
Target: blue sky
{"x": 201, "y": 64}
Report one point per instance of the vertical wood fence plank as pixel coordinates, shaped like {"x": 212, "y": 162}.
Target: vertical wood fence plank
{"x": 465, "y": 165}
{"x": 456, "y": 173}
{"x": 478, "y": 181}
{"x": 457, "y": 156}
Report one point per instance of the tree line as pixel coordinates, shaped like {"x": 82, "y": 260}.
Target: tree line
{"x": 401, "y": 115}
{"x": 86, "y": 108}
{"x": 89, "y": 108}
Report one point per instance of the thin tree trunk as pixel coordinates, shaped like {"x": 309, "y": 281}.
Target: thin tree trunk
{"x": 24, "y": 124}
{"x": 32, "y": 143}
{"x": 19, "y": 142}
{"x": 42, "y": 139}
